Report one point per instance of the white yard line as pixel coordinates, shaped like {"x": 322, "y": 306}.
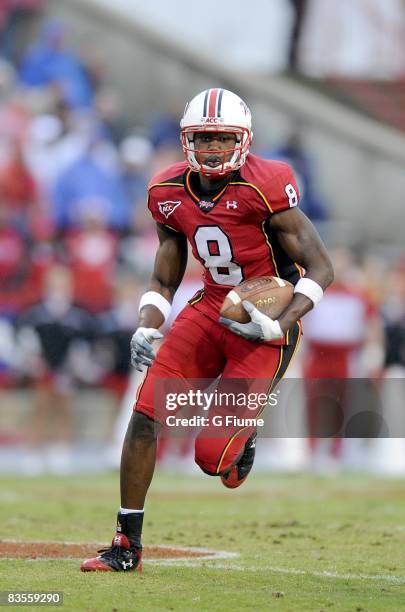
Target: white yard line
{"x": 281, "y": 570}
{"x": 211, "y": 557}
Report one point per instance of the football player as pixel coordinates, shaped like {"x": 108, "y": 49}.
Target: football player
{"x": 240, "y": 214}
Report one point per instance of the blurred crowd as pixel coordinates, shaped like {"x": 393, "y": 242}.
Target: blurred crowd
{"x": 76, "y": 240}
{"x": 77, "y": 243}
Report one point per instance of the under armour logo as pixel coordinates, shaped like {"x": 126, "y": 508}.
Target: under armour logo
{"x": 231, "y": 204}
{"x": 128, "y": 564}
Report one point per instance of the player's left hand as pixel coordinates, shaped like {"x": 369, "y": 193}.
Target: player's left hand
{"x": 260, "y": 327}
{"x": 142, "y": 352}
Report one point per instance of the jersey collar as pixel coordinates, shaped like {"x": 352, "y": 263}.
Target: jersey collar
{"x": 204, "y": 201}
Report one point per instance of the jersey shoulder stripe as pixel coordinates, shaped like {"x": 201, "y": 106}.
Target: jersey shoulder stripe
{"x": 253, "y": 186}
{"x": 262, "y": 171}
{"x": 273, "y": 181}
{"x": 173, "y": 175}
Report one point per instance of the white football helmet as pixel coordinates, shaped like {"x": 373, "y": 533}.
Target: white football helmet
{"x": 217, "y": 110}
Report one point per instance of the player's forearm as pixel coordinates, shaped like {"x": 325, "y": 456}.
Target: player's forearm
{"x": 162, "y": 287}
{"x": 169, "y": 268}
{"x": 301, "y": 304}
{"x": 297, "y": 308}
{"x": 151, "y": 315}
{"x": 166, "y": 278}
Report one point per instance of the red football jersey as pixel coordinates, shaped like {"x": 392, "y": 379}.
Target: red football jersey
{"x": 229, "y": 232}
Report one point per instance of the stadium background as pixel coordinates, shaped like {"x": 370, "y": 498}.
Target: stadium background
{"x": 90, "y": 99}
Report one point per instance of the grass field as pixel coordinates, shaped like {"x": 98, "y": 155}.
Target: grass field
{"x": 303, "y": 543}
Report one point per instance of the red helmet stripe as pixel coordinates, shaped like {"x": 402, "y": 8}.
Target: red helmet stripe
{"x": 212, "y": 104}
{"x": 221, "y": 93}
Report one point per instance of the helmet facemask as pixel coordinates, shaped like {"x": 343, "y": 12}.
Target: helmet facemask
{"x": 214, "y": 111}
{"x": 238, "y": 152}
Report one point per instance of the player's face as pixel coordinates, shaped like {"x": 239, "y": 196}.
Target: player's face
{"x": 214, "y": 148}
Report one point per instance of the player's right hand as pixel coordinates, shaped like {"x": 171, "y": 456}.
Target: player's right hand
{"x": 260, "y": 327}
{"x": 142, "y": 352}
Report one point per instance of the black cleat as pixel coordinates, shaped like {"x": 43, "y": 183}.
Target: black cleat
{"x": 120, "y": 557}
{"x": 240, "y": 471}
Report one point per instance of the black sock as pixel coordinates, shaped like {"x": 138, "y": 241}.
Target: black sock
{"x": 131, "y": 526}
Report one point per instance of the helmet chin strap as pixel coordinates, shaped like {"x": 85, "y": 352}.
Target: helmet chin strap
{"x": 208, "y": 171}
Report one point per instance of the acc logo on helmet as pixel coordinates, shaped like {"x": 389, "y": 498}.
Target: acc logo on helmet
{"x": 212, "y": 120}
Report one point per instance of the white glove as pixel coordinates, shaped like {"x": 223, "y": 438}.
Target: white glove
{"x": 260, "y": 327}
{"x": 142, "y": 352}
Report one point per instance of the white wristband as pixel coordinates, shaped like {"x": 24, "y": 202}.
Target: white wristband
{"x": 153, "y": 298}
{"x": 310, "y": 288}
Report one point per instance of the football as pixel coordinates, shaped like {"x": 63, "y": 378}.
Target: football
{"x": 270, "y": 294}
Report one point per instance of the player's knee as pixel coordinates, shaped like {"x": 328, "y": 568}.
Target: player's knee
{"x": 217, "y": 456}
{"x": 206, "y": 456}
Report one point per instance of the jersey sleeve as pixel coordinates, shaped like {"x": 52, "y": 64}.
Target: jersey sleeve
{"x": 162, "y": 211}
{"x": 282, "y": 191}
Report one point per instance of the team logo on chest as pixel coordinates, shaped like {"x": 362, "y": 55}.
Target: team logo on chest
{"x": 168, "y": 207}
{"x": 206, "y": 205}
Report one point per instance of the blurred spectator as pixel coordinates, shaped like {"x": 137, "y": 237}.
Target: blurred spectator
{"x": 13, "y": 263}
{"x": 7, "y": 79}
{"x": 89, "y": 182}
{"x": 138, "y": 249}
{"x": 164, "y": 129}
{"x": 92, "y": 256}
{"x": 394, "y": 319}
{"x": 294, "y": 153}
{"x": 108, "y": 106}
{"x": 8, "y": 358}
{"x": 55, "y": 142}
{"x": 15, "y": 16}
{"x": 164, "y": 135}
{"x": 136, "y": 156}
{"x": 53, "y": 341}
{"x": 17, "y": 187}
{"x": 21, "y": 268}
{"x": 300, "y": 9}
{"x": 42, "y": 151}
{"x": 338, "y": 334}
{"x": 14, "y": 114}
{"x": 50, "y": 62}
